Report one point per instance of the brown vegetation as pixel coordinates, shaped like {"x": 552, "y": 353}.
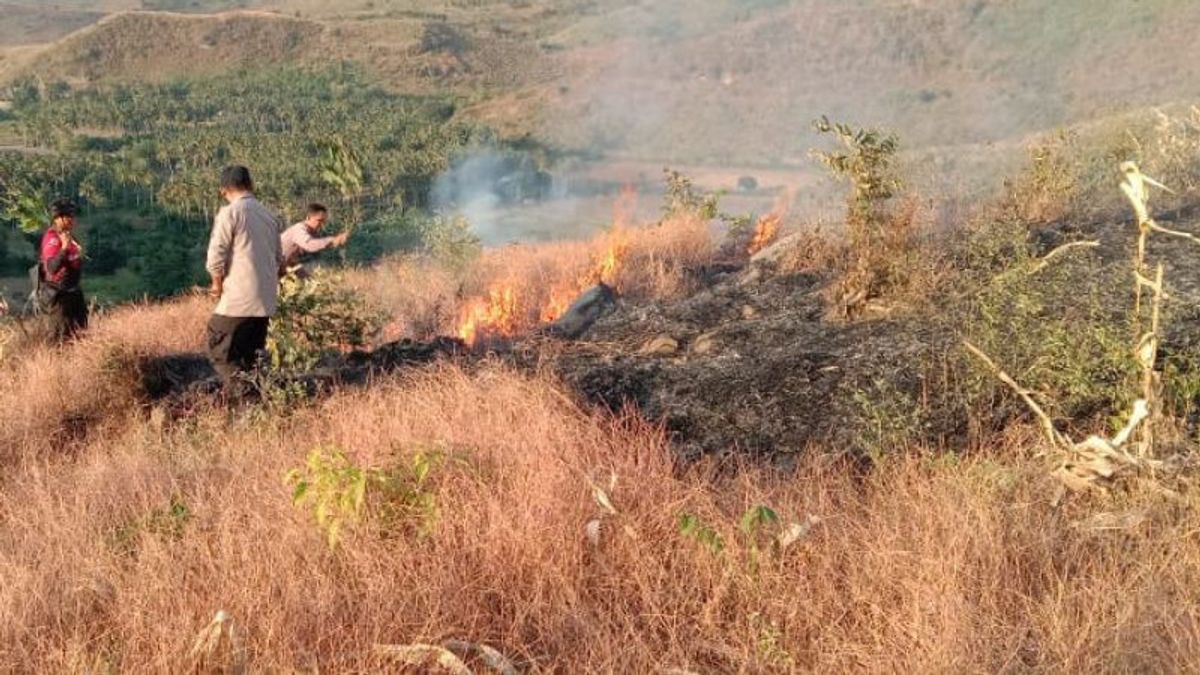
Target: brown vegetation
{"x": 499, "y": 509}
{"x": 565, "y": 538}
{"x": 116, "y": 556}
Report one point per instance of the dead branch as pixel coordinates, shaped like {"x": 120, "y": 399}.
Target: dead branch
{"x": 1045, "y": 260}
{"x": 1174, "y": 233}
{"x": 1047, "y": 424}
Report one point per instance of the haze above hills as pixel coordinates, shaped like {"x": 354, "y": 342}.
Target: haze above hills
{"x": 713, "y": 83}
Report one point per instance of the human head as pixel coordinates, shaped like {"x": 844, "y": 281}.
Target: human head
{"x": 235, "y": 181}
{"x": 317, "y": 216}
{"x": 62, "y": 214}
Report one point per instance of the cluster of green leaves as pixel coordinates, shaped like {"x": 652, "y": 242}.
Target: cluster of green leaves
{"x": 334, "y": 486}
{"x": 881, "y": 252}
{"x": 759, "y": 526}
{"x": 342, "y": 494}
{"x": 144, "y": 161}
{"x": 695, "y": 528}
{"x": 26, "y": 208}
{"x": 867, "y": 160}
{"x": 888, "y": 419}
{"x": 317, "y": 316}
{"x": 342, "y": 170}
{"x": 681, "y": 197}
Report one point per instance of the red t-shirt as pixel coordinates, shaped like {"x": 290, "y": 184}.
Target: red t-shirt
{"x": 61, "y": 268}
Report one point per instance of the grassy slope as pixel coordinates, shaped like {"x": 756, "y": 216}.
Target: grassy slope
{"x": 125, "y": 531}
{"x": 160, "y": 46}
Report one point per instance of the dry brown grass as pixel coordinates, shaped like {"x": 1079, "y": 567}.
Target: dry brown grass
{"x": 52, "y": 398}
{"x": 426, "y": 299}
{"x": 927, "y": 564}
{"x": 907, "y": 266}
{"x": 418, "y": 294}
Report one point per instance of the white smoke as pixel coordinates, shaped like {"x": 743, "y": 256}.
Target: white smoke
{"x": 485, "y": 185}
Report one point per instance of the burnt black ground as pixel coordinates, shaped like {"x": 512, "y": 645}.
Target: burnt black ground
{"x": 758, "y": 370}
{"x": 749, "y": 363}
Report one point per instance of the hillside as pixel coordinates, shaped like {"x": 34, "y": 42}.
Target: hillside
{"x": 715, "y": 476}
{"x": 23, "y": 24}
{"x": 158, "y": 46}
{"x": 710, "y": 83}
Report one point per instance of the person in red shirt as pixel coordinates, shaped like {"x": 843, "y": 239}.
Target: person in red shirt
{"x": 62, "y": 271}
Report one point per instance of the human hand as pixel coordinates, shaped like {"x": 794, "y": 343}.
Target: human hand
{"x": 340, "y": 240}
{"x": 218, "y": 287}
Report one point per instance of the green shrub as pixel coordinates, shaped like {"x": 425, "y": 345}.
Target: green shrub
{"x": 317, "y": 317}
{"x": 451, "y": 242}
{"x": 866, "y": 159}
{"x": 888, "y": 418}
{"x": 1061, "y": 329}
{"x": 882, "y": 254}
{"x": 342, "y": 494}
{"x": 683, "y": 198}
{"x": 1071, "y": 174}
{"x": 388, "y": 232}
{"x": 335, "y": 487}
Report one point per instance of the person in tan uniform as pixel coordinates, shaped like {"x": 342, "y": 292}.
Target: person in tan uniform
{"x": 305, "y": 237}
{"x": 244, "y": 261}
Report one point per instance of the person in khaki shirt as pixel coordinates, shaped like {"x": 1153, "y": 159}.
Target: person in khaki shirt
{"x": 304, "y": 238}
{"x": 244, "y": 261}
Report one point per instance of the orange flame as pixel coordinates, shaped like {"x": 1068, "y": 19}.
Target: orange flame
{"x": 765, "y": 231}
{"x": 558, "y": 303}
{"x": 494, "y": 315}
{"x": 500, "y": 312}
{"x": 606, "y": 268}
{"x": 767, "y": 228}
{"x": 625, "y": 207}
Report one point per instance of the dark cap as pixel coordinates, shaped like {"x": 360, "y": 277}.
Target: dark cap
{"x": 63, "y": 207}
{"x": 236, "y": 178}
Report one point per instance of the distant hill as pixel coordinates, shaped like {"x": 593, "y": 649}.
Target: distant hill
{"x": 701, "y": 81}
{"x": 940, "y": 73}
{"x": 155, "y": 46}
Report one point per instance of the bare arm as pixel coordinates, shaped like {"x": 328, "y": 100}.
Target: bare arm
{"x": 281, "y": 263}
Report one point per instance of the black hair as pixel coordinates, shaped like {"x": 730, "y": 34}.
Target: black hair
{"x": 315, "y": 208}
{"x": 236, "y": 178}
{"x": 63, "y": 207}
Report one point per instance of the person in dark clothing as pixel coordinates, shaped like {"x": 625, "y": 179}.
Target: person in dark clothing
{"x": 62, "y": 271}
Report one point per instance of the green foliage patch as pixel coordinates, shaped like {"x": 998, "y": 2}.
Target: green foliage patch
{"x": 143, "y": 159}
{"x": 342, "y": 494}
